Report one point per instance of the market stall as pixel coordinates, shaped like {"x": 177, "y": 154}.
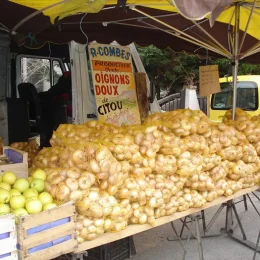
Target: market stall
{"x": 127, "y": 179}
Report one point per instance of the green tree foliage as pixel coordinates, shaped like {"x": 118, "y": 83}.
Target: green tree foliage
{"x": 225, "y": 68}
{"x": 170, "y": 70}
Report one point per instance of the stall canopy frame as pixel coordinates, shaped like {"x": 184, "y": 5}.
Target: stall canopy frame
{"x": 152, "y": 21}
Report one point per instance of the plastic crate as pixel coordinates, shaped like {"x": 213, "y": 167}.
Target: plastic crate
{"x": 97, "y": 253}
{"x": 48, "y": 234}
{"x": 8, "y": 239}
{"x": 119, "y": 250}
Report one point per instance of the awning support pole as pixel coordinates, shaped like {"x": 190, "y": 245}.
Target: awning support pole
{"x": 27, "y": 18}
{"x": 235, "y": 59}
{"x": 252, "y": 52}
{"x": 205, "y": 45}
{"x": 247, "y": 25}
{"x": 210, "y": 36}
{"x": 188, "y": 37}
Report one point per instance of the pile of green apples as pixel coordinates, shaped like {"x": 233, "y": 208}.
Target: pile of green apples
{"x": 22, "y": 196}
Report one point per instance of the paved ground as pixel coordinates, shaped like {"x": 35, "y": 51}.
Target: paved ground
{"x": 153, "y": 244}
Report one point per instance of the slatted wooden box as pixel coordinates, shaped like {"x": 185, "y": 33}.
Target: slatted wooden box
{"x": 48, "y": 234}
{"x": 8, "y": 239}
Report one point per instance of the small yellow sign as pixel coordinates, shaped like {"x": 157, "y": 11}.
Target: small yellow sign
{"x": 209, "y": 80}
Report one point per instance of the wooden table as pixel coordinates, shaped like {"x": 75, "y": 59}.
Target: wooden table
{"x": 137, "y": 228}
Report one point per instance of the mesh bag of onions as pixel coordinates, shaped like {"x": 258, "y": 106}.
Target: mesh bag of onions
{"x": 174, "y": 161}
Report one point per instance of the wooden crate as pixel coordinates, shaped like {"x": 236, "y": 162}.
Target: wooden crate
{"x": 8, "y": 239}
{"x": 48, "y": 234}
{"x": 19, "y": 165}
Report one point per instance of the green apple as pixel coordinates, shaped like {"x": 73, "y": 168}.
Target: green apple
{"x": 17, "y": 202}
{"x": 9, "y": 177}
{"x": 5, "y": 186}
{"x": 49, "y": 206}
{"x": 14, "y": 192}
{"x": 4, "y": 196}
{"x": 21, "y": 185}
{"x": 32, "y": 198}
{"x": 37, "y": 184}
{"x": 18, "y": 213}
{"x": 29, "y": 179}
{"x": 33, "y": 206}
{"x": 1, "y": 178}
{"x": 39, "y": 174}
{"x": 4, "y": 209}
{"x": 45, "y": 198}
{"x": 30, "y": 193}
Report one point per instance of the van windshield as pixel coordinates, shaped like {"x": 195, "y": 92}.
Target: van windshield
{"x": 247, "y": 96}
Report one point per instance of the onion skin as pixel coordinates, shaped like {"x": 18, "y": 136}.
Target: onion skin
{"x": 62, "y": 193}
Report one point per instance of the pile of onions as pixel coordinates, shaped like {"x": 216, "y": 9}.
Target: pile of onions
{"x": 123, "y": 147}
{"x": 165, "y": 164}
{"x": 223, "y": 136}
{"x": 173, "y": 183}
{"x": 153, "y": 197}
{"x": 219, "y": 172}
{"x": 69, "y": 184}
{"x": 89, "y": 132}
{"x": 188, "y": 198}
{"x": 172, "y": 145}
{"x": 31, "y": 147}
{"x": 249, "y": 126}
{"x": 244, "y": 173}
{"x": 135, "y": 174}
{"x": 99, "y": 204}
{"x": 48, "y": 158}
{"x": 189, "y": 164}
{"x": 99, "y": 213}
{"x": 19, "y": 145}
{"x": 89, "y": 229}
{"x": 227, "y": 187}
{"x": 102, "y": 127}
{"x": 90, "y": 157}
{"x": 210, "y": 161}
{"x": 200, "y": 182}
{"x": 196, "y": 143}
{"x": 148, "y": 138}
{"x": 240, "y": 116}
{"x": 181, "y": 122}
{"x": 75, "y": 132}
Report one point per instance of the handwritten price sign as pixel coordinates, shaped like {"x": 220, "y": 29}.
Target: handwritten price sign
{"x": 209, "y": 80}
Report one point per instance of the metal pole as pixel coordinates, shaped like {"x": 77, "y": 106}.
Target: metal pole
{"x": 27, "y": 18}
{"x": 235, "y": 59}
{"x": 210, "y": 36}
{"x": 182, "y": 35}
{"x": 257, "y": 243}
{"x": 201, "y": 257}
